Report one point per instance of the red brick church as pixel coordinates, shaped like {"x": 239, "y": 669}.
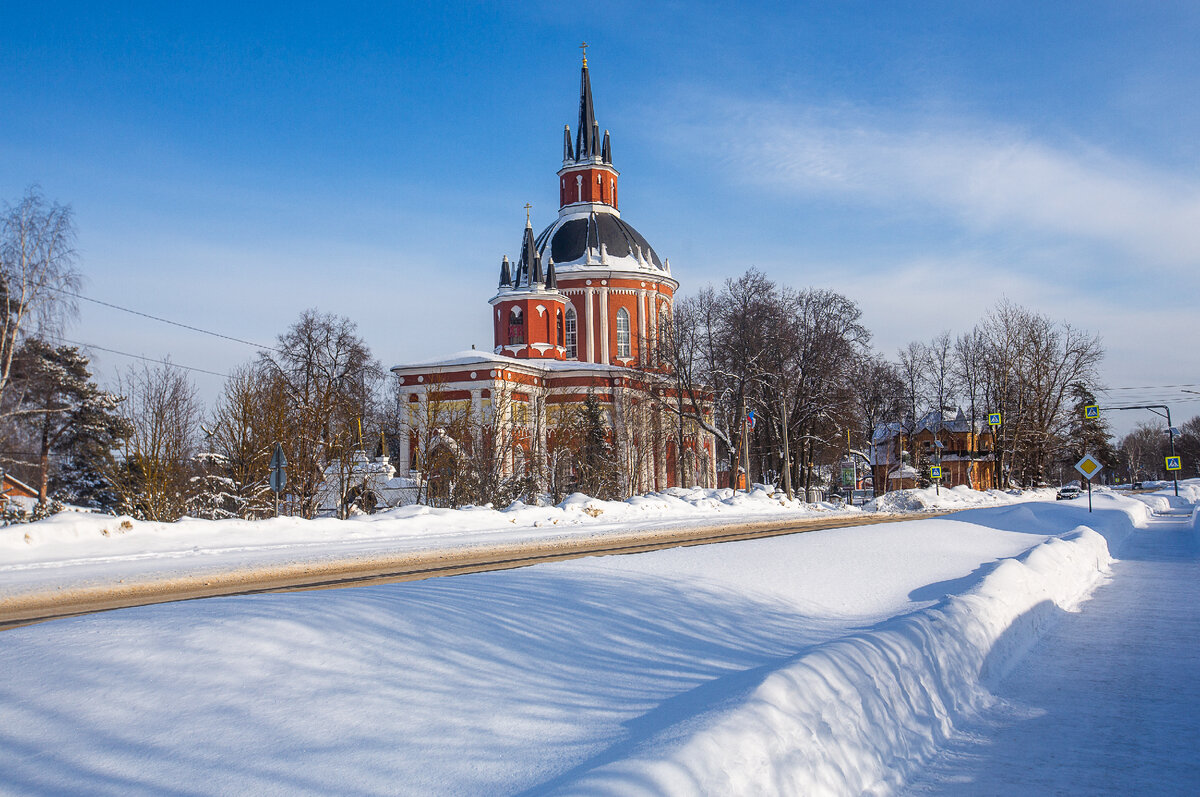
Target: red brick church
{"x": 579, "y": 312}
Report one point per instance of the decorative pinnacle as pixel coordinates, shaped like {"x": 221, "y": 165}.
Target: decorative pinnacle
{"x": 584, "y": 47}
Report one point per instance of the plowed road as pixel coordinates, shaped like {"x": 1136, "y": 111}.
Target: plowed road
{"x": 40, "y": 606}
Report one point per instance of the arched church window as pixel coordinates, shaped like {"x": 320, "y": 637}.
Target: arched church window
{"x": 570, "y": 333}
{"x": 623, "y": 333}
{"x": 559, "y": 319}
{"x": 516, "y": 326}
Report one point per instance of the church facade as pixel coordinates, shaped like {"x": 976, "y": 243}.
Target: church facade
{"x": 578, "y": 314}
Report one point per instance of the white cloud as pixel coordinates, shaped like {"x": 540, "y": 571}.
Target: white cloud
{"x": 989, "y": 179}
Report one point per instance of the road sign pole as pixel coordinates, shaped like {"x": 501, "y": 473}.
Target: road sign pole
{"x": 278, "y": 479}
{"x": 1171, "y": 434}
{"x": 1088, "y": 468}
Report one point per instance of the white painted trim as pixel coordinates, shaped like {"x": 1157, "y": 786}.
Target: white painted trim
{"x": 604, "y": 325}
{"x": 591, "y": 328}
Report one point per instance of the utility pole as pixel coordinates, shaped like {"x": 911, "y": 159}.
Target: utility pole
{"x": 787, "y": 456}
{"x": 745, "y": 444}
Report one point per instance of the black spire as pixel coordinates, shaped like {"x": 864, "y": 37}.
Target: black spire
{"x": 585, "y": 137}
{"x": 505, "y": 274}
{"x": 531, "y": 262}
{"x": 551, "y": 279}
{"x": 568, "y": 153}
{"x": 606, "y": 150}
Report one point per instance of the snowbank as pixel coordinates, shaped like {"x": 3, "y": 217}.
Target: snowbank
{"x": 83, "y": 533}
{"x": 75, "y": 536}
{"x": 859, "y": 714}
{"x": 951, "y": 498}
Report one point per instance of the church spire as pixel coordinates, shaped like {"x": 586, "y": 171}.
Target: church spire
{"x": 587, "y": 175}
{"x": 585, "y": 136}
{"x": 531, "y": 262}
{"x": 505, "y": 273}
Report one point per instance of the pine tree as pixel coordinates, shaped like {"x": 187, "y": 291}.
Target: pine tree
{"x": 597, "y": 462}
{"x": 75, "y": 424}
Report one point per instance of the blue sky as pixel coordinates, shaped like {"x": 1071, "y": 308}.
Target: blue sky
{"x": 231, "y": 167}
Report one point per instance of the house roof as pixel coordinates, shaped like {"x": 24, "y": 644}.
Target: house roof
{"x": 933, "y": 422}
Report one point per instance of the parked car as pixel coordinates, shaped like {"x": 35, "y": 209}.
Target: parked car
{"x": 1067, "y": 493}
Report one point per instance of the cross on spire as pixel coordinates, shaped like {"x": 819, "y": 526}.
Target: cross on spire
{"x": 528, "y": 207}
{"x": 584, "y": 47}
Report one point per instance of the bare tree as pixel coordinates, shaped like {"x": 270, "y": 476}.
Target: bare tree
{"x": 331, "y": 381}
{"x": 1032, "y": 364}
{"x": 1189, "y": 445}
{"x": 250, "y": 417}
{"x": 1143, "y": 452}
{"x": 37, "y": 273}
{"x": 969, "y": 364}
{"x": 914, "y": 363}
{"x": 153, "y": 477}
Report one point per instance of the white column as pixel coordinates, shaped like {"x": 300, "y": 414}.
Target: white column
{"x": 422, "y": 419}
{"x": 405, "y": 455}
{"x": 654, "y": 319}
{"x": 591, "y": 328}
{"x": 540, "y": 418}
{"x": 604, "y": 325}
{"x": 477, "y": 411}
{"x": 641, "y": 321}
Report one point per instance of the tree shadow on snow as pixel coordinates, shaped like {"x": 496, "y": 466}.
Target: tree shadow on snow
{"x": 404, "y": 688}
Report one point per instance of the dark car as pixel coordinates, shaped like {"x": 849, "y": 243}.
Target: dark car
{"x": 1067, "y": 493}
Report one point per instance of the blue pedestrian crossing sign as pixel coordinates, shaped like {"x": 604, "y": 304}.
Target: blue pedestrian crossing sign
{"x": 935, "y": 472}
{"x": 1091, "y": 411}
{"x": 1173, "y": 463}
{"x": 993, "y": 419}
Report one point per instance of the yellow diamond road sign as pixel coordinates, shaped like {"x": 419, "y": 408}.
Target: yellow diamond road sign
{"x": 1088, "y": 466}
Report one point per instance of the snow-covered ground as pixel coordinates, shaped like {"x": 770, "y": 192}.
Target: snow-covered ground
{"x": 78, "y": 547}
{"x": 1109, "y": 702}
{"x": 829, "y": 662}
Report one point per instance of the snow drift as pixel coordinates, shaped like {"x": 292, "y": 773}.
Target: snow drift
{"x": 859, "y": 714}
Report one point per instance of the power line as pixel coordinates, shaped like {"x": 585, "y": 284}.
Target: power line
{"x": 139, "y": 357}
{"x": 164, "y": 321}
{"x": 1144, "y": 387}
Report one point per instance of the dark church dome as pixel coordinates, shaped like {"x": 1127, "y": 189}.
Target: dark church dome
{"x": 600, "y": 239}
